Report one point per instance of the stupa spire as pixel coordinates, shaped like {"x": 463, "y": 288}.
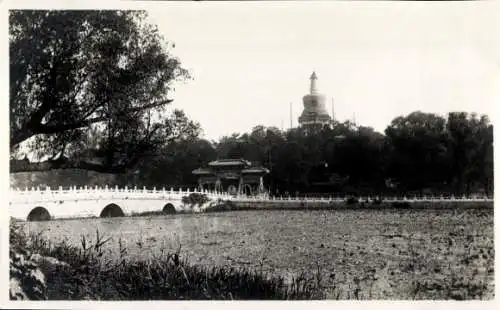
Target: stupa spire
{"x": 313, "y": 78}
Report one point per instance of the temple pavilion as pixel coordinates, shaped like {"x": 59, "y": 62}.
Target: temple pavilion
{"x": 236, "y": 176}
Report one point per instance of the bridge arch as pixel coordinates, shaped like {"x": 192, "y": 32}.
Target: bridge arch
{"x": 112, "y": 210}
{"x": 169, "y": 209}
{"x": 38, "y": 214}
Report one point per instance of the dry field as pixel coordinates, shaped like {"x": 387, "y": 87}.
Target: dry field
{"x": 362, "y": 254}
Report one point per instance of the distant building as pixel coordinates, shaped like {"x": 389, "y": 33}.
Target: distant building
{"x": 236, "y": 176}
{"x": 314, "y": 116}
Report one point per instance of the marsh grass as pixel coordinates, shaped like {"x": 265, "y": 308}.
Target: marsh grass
{"x": 454, "y": 262}
{"x": 91, "y": 275}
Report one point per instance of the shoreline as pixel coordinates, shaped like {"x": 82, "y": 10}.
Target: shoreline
{"x": 230, "y": 206}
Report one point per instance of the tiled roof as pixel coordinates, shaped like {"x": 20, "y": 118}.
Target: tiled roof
{"x": 256, "y": 170}
{"x": 203, "y": 171}
{"x": 229, "y": 162}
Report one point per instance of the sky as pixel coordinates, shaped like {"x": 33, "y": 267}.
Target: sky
{"x": 376, "y": 61}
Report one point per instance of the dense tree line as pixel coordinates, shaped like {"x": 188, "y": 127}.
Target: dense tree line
{"x": 420, "y": 153}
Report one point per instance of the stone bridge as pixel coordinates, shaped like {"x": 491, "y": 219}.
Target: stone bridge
{"x": 36, "y": 204}
{"x": 43, "y": 204}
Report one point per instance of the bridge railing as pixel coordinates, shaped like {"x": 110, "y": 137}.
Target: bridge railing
{"x": 83, "y": 193}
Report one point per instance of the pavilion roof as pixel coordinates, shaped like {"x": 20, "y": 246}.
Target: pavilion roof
{"x": 229, "y": 162}
{"x": 203, "y": 171}
{"x": 256, "y": 170}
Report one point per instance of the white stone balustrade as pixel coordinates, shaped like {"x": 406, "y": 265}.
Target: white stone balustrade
{"x": 82, "y": 193}
{"x": 90, "y": 201}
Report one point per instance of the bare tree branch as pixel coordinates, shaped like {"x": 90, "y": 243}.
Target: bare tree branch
{"x": 55, "y": 128}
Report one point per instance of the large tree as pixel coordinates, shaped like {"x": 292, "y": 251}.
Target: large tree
{"x": 90, "y": 89}
{"x": 419, "y": 154}
{"x": 471, "y": 151}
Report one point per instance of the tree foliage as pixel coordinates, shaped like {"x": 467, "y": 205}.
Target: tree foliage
{"x": 420, "y": 152}
{"x": 173, "y": 166}
{"x": 470, "y": 148}
{"x": 418, "y": 143}
{"x": 90, "y": 89}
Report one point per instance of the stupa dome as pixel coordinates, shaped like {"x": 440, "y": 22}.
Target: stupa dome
{"x": 314, "y": 112}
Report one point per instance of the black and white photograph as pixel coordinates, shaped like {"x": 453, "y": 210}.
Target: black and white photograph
{"x": 250, "y": 150}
